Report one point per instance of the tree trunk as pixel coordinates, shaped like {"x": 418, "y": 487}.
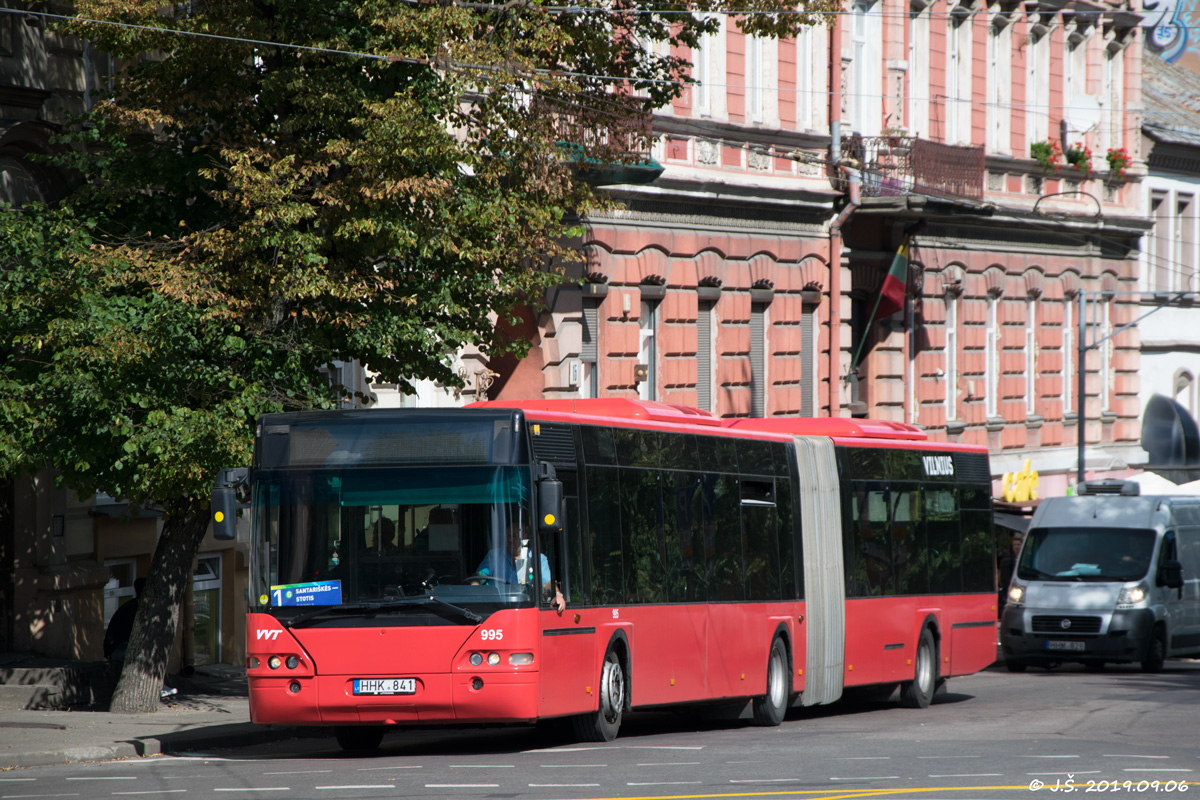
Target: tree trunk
{"x": 154, "y": 627}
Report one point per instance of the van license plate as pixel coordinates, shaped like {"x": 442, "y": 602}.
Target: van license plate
{"x": 385, "y": 685}
{"x": 1073, "y": 646}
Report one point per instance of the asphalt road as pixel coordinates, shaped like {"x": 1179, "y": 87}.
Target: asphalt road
{"x": 1119, "y": 733}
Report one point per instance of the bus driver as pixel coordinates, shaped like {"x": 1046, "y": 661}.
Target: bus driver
{"x": 501, "y": 563}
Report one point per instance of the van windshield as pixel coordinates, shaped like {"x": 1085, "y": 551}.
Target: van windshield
{"x": 1086, "y": 554}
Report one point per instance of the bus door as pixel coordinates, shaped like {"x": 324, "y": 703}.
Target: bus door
{"x": 569, "y": 660}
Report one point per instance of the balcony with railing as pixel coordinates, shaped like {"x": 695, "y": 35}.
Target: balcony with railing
{"x": 901, "y": 165}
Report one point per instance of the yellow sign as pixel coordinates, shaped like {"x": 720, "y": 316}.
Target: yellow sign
{"x": 1020, "y": 487}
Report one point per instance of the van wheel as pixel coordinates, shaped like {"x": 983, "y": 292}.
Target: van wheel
{"x": 602, "y": 724}
{"x": 358, "y": 739}
{"x": 918, "y": 692}
{"x": 771, "y": 707}
{"x": 1156, "y": 651}
{"x": 1014, "y": 665}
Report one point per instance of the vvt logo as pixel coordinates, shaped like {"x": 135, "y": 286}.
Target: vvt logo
{"x": 269, "y": 635}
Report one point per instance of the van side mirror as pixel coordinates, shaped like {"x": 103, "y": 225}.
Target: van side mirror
{"x": 1170, "y": 575}
{"x": 550, "y": 501}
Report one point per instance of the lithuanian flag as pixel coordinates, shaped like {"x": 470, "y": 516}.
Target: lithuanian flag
{"x": 895, "y": 284}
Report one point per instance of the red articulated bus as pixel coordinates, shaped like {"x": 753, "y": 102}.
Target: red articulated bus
{"x": 406, "y": 565}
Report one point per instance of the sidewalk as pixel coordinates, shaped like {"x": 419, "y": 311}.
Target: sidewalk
{"x": 210, "y": 710}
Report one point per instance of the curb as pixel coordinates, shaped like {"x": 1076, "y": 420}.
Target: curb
{"x": 216, "y": 737}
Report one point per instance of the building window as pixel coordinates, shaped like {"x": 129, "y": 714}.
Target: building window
{"x": 647, "y": 349}
{"x": 918, "y": 70}
{"x": 951, "y": 357}
{"x": 705, "y": 71}
{"x": 1030, "y": 357}
{"x": 758, "y": 359}
{"x": 1106, "y": 352}
{"x": 1112, "y": 133}
{"x": 999, "y": 86}
{"x": 1157, "y": 267}
{"x": 1037, "y": 85}
{"x": 756, "y": 78}
{"x": 705, "y": 326}
{"x": 991, "y": 359}
{"x": 1068, "y": 354}
{"x": 808, "y": 360}
{"x": 958, "y": 78}
{"x": 1184, "y": 261}
{"x": 1185, "y": 391}
{"x": 589, "y": 351}
{"x": 866, "y": 115}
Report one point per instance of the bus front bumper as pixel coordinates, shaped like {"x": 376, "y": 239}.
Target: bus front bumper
{"x": 438, "y": 699}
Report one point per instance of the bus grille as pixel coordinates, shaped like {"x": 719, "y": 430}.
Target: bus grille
{"x": 1054, "y": 624}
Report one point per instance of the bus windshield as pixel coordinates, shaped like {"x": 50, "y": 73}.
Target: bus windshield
{"x": 1086, "y": 554}
{"x": 332, "y": 537}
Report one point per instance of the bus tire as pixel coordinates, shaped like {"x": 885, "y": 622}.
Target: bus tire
{"x": 918, "y": 693}
{"x": 1156, "y": 650}
{"x": 771, "y": 707}
{"x": 358, "y": 738}
{"x": 602, "y": 724}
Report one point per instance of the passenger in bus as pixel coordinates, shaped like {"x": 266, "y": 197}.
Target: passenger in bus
{"x": 501, "y": 563}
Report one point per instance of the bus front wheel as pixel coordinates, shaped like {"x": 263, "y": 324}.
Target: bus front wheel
{"x": 770, "y": 708}
{"x": 602, "y": 724}
{"x": 918, "y": 692}
{"x": 1156, "y": 651}
{"x": 358, "y": 738}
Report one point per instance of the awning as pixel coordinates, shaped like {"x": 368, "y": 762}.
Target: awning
{"x": 1014, "y": 522}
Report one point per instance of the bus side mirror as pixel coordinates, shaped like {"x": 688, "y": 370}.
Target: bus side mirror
{"x": 1170, "y": 575}
{"x": 550, "y": 499}
{"x": 225, "y": 504}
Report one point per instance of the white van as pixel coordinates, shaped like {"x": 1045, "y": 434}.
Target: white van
{"x": 1106, "y": 576}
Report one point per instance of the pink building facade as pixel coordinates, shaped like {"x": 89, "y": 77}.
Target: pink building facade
{"x": 743, "y": 280}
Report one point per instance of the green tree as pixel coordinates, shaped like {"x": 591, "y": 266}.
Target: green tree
{"x": 273, "y": 186}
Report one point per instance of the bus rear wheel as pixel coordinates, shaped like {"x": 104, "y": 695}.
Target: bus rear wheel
{"x": 358, "y": 738}
{"x": 602, "y": 724}
{"x": 771, "y": 707}
{"x": 918, "y": 693}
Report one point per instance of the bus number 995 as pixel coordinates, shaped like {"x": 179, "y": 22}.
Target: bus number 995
{"x": 493, "y": 635}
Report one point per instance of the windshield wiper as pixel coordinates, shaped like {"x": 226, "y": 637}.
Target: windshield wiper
{"x": 387, "y": 605}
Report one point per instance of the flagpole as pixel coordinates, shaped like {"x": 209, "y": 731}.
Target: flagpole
{"x": 862, "y": 340}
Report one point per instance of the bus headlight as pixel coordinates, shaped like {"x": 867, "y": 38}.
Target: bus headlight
{"x": 1016, "y": 595}
{"x": 1131, "y": 596}
{"x": 274, "y": 662}
{"x": 493, "y": 658}
{"x": 476, "y": 659}
{"x": 517, "y": 659}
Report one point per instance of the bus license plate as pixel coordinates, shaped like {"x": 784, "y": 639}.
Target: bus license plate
{"x": 1072, "y": 646}
{"x": 385, "y": 685}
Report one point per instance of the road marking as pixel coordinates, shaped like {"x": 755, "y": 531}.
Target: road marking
{"x": 16, "y": 780}
{"x": 1154, "y": 769}
{"x": 765, "y": 780}
{"x": 154, "y": 791}
{"x": 862, "y": 758}
{"x": 300, "y": 772}
{"x": 671, "y": 764}
{"x": 664, "y": 783}
{"x": 358, "y": 786}
{"x": 971, "y": 775}
{"x": 482, "y": 766}
{"x": 662, "y": 747}
{"x": 1130, "y": 755}
{"x": 462, "y": 786}
{"x": 571, "y": 766}
{"x": 565, "y": 749}
{"x": 949, "y": 756}
{"x": 1051, "y": 756}
{"x": 759, "y": 761}
{"x": 257, "y": 789}
{"x": 15, "y": 796}
{"x": 870, "y": 778}
{"x": 1089, "y": 772}
{"x": 376, "y": 769}
{"x": 561, "y": 785}
{"x": 106, "y": 778}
